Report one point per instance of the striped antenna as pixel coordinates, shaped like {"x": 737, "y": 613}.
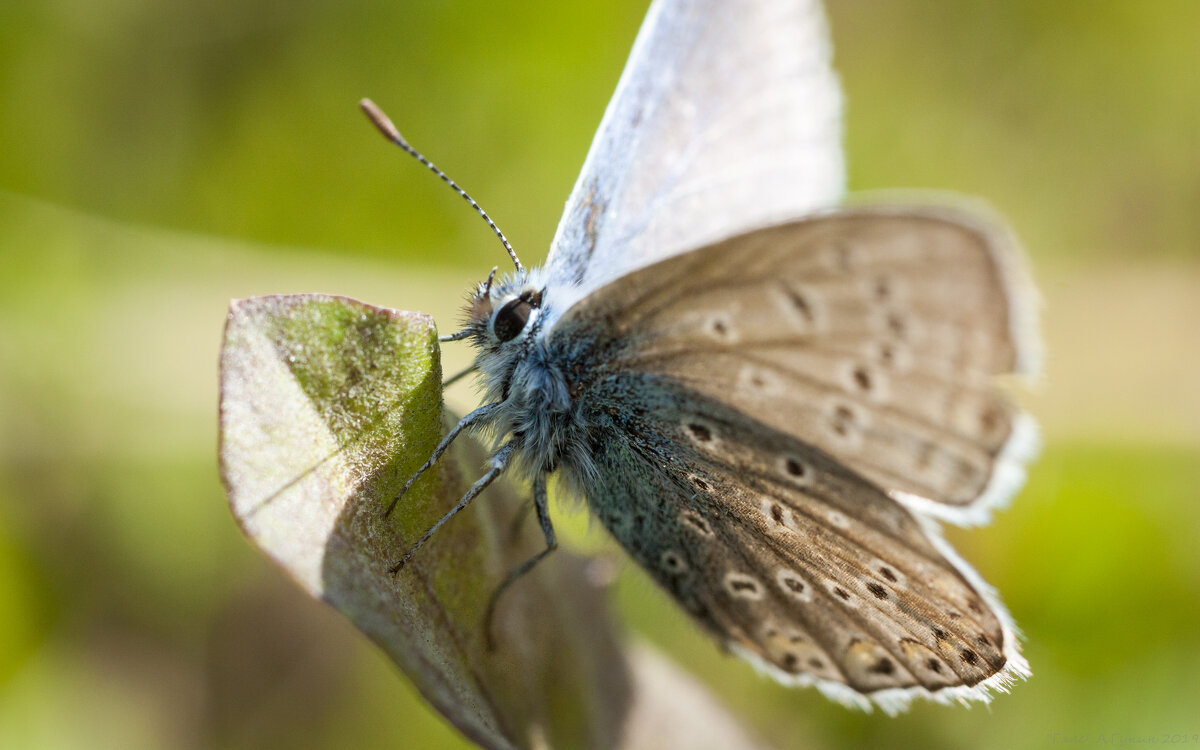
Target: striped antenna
{"x": 376, "y": 115}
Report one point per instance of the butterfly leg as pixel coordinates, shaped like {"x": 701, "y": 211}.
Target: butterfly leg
{"x": 471, "y": 419}
{"x": 540, "y": 502}
{"x": 499, "y": 462}
{"x": 456, "y": 336}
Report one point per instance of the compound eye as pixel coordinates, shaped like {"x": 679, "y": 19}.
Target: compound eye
{"x": 511, "y": 319}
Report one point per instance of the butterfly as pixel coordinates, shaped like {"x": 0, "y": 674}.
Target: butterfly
{"x": 768, "y": 401}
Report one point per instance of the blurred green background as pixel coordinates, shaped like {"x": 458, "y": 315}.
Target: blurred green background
{"x": 160, "y": 158}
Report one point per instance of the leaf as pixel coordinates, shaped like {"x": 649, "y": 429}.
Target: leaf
{"x": 327, "y": 406}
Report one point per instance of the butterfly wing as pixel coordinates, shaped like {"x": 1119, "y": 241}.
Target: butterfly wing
{"x": 871, "y": 335}
{"x": 726, "y": 118}
{"x": 790, "y": 559}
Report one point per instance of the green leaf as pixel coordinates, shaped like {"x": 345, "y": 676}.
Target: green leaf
{"x": 327, "y": 406}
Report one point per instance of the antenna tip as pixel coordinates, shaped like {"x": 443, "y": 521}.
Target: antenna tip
{"x": 381, "y": 121}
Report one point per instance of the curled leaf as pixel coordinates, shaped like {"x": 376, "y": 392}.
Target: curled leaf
{"x": 327, "y": 406}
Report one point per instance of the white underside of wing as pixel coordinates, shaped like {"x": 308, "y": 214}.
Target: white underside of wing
{"x": 893, "y": 701}
{"x": 726, "y": 118}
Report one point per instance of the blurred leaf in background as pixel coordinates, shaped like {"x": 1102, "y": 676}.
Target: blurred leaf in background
{"x": 161, "y": 158}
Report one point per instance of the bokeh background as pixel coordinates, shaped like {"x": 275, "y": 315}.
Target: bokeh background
{"x": 160, "y": 158}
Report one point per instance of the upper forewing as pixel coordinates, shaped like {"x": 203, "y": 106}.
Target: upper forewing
{"x": 873, "y": 335}
{"x": 726, "y": 118}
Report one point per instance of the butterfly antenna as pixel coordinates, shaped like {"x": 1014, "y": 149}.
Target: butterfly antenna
{"x": 381, "y": 121}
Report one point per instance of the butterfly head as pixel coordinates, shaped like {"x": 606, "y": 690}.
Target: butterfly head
{"x": 499, "y": 313}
